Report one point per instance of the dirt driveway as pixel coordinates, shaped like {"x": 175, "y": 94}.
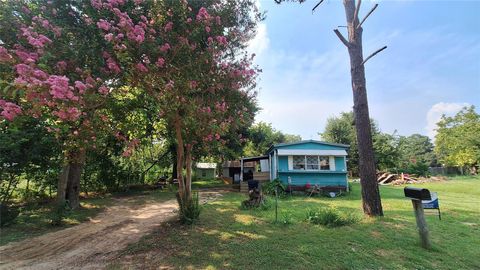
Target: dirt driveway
{"x": 89, "y": 245}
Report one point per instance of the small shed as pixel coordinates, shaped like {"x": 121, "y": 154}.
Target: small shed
{"x": 205, "y": 170}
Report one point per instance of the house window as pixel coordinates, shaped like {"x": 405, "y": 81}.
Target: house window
{"x": 314, "y": 163}
{"x": 324, "y": 163}
{"x": 299, "y": 162}
{"x": 204, "y": 173}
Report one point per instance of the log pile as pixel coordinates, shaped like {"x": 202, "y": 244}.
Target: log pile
{"x": 386, "y": 178}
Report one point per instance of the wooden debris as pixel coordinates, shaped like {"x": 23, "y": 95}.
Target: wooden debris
{"x": 386, "y": 178}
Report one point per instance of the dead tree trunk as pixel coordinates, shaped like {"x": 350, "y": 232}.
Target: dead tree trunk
{"x": 372, "y": 204}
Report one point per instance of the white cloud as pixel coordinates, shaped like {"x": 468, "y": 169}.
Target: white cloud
{"x": 435, "y": 114}
{"x": 261, "y": 41}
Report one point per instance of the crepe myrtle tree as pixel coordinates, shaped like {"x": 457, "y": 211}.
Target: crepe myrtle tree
{"x": 195, "y": 71}
{"x": 58, "y": 64}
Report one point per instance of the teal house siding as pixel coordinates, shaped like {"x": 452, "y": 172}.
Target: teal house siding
{"x": 281, "y": 163}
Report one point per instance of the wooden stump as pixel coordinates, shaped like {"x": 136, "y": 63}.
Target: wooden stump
{"x": 255, "y": 199}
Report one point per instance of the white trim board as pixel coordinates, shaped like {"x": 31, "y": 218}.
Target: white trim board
{"x": 311, "y": 152}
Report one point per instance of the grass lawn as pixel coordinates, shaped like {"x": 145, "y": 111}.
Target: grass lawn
{"x": 34, "y": 219}
{"x": 208, "y": 183}
{"x": 230, "y": 238}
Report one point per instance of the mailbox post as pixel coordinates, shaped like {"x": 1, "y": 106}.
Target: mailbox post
{"x": 417, "y": 195}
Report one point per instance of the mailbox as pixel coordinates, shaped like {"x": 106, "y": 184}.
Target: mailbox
{"x": 417, "y": 193}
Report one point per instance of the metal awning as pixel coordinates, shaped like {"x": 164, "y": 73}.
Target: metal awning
{"x": 312, "y": 152}
{"x": 247, "y": 159}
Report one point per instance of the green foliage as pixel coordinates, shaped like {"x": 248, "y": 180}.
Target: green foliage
{"x": 269, "y": 187}
{"x": 287, "y": 219}
{"x": 329, "y": 217}
{"x": 189, "y": 209}
{"x": 58, "y": 213}
{"x": 392, "y": 152}
{"x": 262, "y": 135}
{"x": 457, "y": 142}
{"x": 7, "y": 215}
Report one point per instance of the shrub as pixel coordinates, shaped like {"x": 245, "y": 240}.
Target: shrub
{"x": 269, "y": 187}
{"x": 329, "y": 217}
{"x": 7, "y": 215}
{"x": 189, "y": 211}
{"x": 58, "y": 213}
{"x": 287, "y": 219}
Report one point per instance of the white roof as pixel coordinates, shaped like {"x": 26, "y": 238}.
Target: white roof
{"x": 206, "y": 165}
{"x": 313, "y": 152}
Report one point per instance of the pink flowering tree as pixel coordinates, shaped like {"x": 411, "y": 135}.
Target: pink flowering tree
{"x": 57, "y": 63}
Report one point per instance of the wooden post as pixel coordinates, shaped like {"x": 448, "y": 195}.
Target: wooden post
{"x": 421, "y": 224}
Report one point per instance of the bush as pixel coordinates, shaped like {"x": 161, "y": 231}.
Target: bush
{"x": 58, "y": 213}
{"x": 7, "y": 215}
{"x": 419, "y": 169}
{"x": 189, "y": 209}
{"x": 329, "y": 217}
{"x": 269, "y": 187}
{"x": 287, "y": 219}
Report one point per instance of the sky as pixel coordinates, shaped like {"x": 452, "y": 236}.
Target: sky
{"x": 431, "y": 66}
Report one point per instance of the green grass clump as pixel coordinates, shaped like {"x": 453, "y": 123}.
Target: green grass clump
{"x": 330, "y": 217}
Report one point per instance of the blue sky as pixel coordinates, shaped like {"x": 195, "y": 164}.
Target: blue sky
{"x": 431, "y": 65}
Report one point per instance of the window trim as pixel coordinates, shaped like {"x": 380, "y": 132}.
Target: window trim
{"x": 305, "y": 164}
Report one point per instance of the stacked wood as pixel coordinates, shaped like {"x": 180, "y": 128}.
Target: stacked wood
{"x": 386, "y": 178}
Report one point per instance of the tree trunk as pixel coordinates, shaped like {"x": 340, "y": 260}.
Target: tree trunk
{"x": 372, "y": 205}
{"x": 173, "y": 150}
{"x": 76, "y": 164}
{"x": 62, "y": 185}
{"x": 188, "y": 165}
{"x": 180, "y": 153}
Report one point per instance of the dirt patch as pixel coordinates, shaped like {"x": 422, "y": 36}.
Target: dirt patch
{"x": 92, "y": 244}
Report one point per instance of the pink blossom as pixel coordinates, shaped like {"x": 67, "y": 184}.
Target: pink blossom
{"x": 207, "y": 29}
{"x": 108, "y": 37}
{"x": 168, "y": 26}
{"x": 217, "y": 136}
{"x": 139, "y": 34}
{"x": 81, "y": 87}
{"x": 96, "y": 4}
{"x": 113, "y": 66}
{"x": 221, "y": 39}
{"x": 193, "y": 84}
{"x": 160, "y": 62}
{"x": 9, "y": 110}
{"x": 61, "y": 65}
{"x": 189, "y": 20}
{"x": 209, "y": 40}
{"x": 4, "y": 55}
{"x": 203, "y": 14}
{"x": 218, "y": 20}
{"x": 140, "y": 67}
{"x": 59, "y": 88}
{"x": 170, "y": 84}
{"x": 165, "y": 47}
{"x": 26, "y": 57}
{"x": 69, "y": 114}
{"x": 40, "y": 74}
{"x": 103, "y": 90}
{"x": 104, "y": 25}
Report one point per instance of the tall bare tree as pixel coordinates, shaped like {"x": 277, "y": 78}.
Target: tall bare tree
{"x": 371, "y": 200}
{"x": 372, "y": 204}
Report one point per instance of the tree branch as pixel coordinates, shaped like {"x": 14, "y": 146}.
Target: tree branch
{"x": 373, "y": 54}
{"x": 357, "y": 9}
{"x": 368, "y": 14}
{"x": 342, "y": 39}
{"x": 318, "y": 4}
